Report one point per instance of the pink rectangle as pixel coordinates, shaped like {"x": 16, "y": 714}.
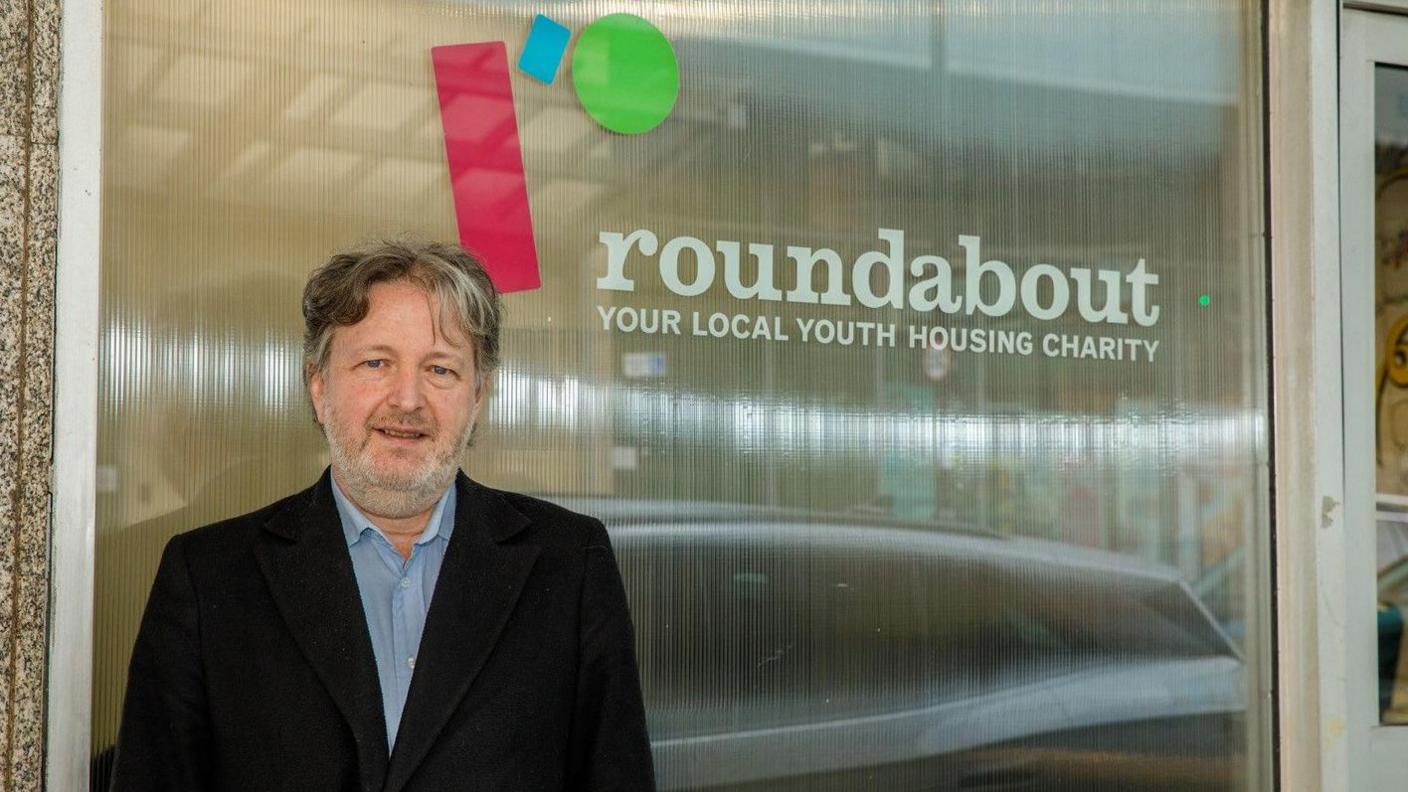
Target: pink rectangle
{"x": 486, "y": 161}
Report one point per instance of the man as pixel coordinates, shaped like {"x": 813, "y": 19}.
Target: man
{"x": 397, "y": 626}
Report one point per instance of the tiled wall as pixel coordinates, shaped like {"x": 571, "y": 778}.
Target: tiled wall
{"x": 29, "y": 58}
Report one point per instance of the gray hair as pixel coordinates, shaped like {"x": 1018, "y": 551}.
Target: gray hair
{"x": 336, "y": 295}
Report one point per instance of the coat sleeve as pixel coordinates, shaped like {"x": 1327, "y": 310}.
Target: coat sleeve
{"x": 164, "y": 740}
{"x": 610, "y": 749}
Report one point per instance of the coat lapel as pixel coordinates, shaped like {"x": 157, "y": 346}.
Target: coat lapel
{"x": 480, "y": 580}
{"x": 305, "y": 561}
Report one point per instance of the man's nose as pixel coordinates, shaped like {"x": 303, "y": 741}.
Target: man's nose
{"x": 407, "y": 392}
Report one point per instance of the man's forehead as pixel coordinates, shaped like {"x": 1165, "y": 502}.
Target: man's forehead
{"x": 394, "y": 319}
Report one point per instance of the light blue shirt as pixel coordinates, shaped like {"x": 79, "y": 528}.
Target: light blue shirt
{"x": 395, "y": 593}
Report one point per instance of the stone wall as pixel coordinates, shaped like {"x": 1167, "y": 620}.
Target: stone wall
{"x": 29, "y": 58}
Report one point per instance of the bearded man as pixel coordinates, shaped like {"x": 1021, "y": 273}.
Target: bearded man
{"x": 397, "y": 626}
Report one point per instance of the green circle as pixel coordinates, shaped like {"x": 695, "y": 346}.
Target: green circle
{"x": 625, "y": 73}
{"x": 1205, "y": 301}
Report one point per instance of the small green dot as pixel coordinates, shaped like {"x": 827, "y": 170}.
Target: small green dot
{"x": 1205, "y": 301}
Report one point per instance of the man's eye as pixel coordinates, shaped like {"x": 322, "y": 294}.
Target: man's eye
{"x": 373, "y": 364}
{"x": 440, "y": 371}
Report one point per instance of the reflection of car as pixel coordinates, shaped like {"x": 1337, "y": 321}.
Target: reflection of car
{"x": 784, "y": 651}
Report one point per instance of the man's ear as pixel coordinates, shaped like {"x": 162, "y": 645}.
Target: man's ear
{"x": 316, "y": 388}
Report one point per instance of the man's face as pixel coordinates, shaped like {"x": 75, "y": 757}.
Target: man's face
{"x": 397, "y": 401}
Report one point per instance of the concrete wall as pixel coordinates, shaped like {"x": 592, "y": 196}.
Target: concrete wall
{"x": 29, "y": 80}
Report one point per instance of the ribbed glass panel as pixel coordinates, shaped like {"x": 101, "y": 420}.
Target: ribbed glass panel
{"x": 981, "y": 504}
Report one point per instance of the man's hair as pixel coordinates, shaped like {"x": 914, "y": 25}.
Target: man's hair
{"x": 336, "y": 295}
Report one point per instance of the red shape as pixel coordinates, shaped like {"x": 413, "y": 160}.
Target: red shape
{"x": 486, "y": 161}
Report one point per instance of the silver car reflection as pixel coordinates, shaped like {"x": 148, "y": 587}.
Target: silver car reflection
{"x": 786, "y": 651}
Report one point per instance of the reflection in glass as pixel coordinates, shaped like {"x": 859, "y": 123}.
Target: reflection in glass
{"x": 861, "y": 565}
{"x": 1391, "y": 386}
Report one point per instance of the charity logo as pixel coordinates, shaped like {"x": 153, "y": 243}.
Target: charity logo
{"x": 623, "y": 69}
{"x": 626, "y": 77}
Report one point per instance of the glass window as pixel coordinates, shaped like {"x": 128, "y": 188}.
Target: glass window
{"x": 913, "y": 353}
{"x": 1391, "y": 388}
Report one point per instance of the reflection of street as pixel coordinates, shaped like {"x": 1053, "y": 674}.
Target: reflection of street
{"x": 1173, "y": 489}
{"x": 785, "y": 650}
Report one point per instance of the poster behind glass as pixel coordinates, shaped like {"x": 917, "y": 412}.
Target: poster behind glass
{"x": 915, "y": 359}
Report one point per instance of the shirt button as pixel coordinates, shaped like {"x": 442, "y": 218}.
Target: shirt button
{"x": 405, "y": 582}
{"x": 411, "y": 663}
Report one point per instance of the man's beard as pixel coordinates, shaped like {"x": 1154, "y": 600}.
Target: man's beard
{"x": 386, "y": 493}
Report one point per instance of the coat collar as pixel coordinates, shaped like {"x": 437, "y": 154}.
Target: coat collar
{"x": 480, "y": 580}
{"x": 309, "y": 572}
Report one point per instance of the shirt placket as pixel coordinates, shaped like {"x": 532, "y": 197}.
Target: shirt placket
{"x": 403, "y": 604}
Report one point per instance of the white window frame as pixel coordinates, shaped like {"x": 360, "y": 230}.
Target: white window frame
{"x": 76, "y": 319}
{"x": 1375, "y": 753}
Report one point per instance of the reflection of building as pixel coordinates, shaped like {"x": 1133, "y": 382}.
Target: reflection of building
{"x": 251, "y": 139}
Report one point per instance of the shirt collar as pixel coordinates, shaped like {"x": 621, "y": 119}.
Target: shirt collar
{"x": 355, "y": 523}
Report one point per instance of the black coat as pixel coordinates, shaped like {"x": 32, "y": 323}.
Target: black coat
{"x": 253, "y": 668}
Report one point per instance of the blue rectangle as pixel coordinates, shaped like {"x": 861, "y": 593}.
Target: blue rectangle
{"x": 542, "y": 52}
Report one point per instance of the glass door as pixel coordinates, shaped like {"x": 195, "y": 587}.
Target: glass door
{"x": 1374, "y": 266}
